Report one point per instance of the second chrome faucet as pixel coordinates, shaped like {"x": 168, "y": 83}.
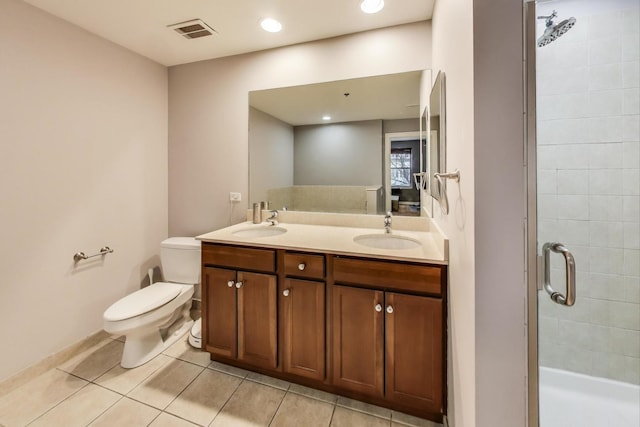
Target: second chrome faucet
{"x": 387, "y": 223}
{"x": 273, "y": 219}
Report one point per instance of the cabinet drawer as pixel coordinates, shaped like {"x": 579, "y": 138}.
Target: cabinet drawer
{"x": 304, "y": 265}
{"x": 426, "y": 279}
{"x": 239, "y": 257}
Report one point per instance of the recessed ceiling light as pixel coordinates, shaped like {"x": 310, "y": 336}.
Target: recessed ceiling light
{"x": 325, "y": 118}
{"x": 271, "y": 25}
{"x": 372, "y": 6}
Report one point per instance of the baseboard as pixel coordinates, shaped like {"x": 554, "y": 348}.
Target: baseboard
{"x": 51, "y": 362}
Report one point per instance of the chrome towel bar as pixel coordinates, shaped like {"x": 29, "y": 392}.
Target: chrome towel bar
{"x": 80, "y": 256}
{"x": 444, "y": 199}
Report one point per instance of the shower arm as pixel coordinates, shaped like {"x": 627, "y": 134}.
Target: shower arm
{"x": 549, "y": 18}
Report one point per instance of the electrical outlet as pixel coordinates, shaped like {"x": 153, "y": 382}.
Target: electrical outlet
{"x": 235, "y": 197}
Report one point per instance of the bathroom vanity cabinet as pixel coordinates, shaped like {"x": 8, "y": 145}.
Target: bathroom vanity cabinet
{"x": 366, "y": 328}
{"x": 241, "y": 305}
{"x": 388, "y": 331}
{"x": 302, "y": 315}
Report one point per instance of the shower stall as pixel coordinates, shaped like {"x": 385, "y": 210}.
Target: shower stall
{"x": 584, "y": 243}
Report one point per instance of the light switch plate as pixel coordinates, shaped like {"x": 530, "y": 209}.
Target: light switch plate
{"x": 235, "y": 197}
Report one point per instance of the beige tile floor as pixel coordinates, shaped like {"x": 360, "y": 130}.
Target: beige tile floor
{"x": 180, "y": 387}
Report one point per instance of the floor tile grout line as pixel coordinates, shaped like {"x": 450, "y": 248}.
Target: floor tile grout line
{"x": 362, "y": 411}
{"x": 182, "y": 418}
{"x": 106, "y": 409}
{"x": 273, "y": 417}
{"x": 227, "y": 373}
{"x": 60, "y": 402}
{"x": 227, "y": 401}
{"x": 154, "y": 418}
{"x": 332, "y": 413}
{"x": 180, "y": 394}
{"x": 143, "y": 380}
{"x": 313, "y": 397}
{"x": 182, "y": 391}
{"x": 255, "y": 381}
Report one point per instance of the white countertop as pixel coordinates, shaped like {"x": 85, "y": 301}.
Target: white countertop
{"x": 336, "y": 240}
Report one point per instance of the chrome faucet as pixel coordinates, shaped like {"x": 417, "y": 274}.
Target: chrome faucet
{"x": 273, "y": 219}
{"x": 387, "y": 223}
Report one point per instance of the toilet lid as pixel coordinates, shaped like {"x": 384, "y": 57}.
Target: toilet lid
{"x": 142, "y": 301}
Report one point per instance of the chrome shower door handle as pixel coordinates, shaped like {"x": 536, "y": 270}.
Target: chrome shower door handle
{"x": 569, "y": 298}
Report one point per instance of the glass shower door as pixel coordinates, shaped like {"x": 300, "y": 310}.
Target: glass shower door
{"x": 587, "y": 151}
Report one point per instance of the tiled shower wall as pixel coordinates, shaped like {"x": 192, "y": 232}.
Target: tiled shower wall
{"x": 588, "y": 110}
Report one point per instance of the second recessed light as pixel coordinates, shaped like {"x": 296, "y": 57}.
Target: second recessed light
{"x": 271, "y": 25}
{"x": 372, "y": 6}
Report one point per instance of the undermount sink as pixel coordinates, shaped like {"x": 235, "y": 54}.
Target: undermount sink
{"x": 386, "y": 241}
{"x": 260, "y": 231}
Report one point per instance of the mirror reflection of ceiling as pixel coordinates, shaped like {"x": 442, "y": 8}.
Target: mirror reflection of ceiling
{"x": 141, "y": 25}
{"x": 388, "y": 97}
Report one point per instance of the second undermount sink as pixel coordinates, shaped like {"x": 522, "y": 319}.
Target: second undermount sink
{"x": 260, "y": 231}
{"x": 386, "y": 241}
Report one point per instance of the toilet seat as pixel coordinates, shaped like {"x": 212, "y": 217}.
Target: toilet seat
{"x": 142, "y": 301}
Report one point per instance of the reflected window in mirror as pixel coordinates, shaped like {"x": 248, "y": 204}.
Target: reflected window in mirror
{"x": 401, "y": 171}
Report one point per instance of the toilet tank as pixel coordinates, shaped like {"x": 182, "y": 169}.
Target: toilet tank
{"x": 180, "y": 257}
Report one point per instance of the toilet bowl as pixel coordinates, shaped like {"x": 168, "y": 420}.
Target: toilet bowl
{"x": 155, "y": 317}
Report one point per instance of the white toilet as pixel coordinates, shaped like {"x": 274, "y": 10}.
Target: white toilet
{"x": 155, "y": 317}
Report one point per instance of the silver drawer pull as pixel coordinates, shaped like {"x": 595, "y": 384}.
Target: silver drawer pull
{"x": 570, "y": 297}
{"x": 238, "y": 285}
{"x": 389, "y": 309}
{"x": 301, "y": 266}
{"x": 230, "y": 283}
{"x": 285, "y": 293}
{"x": 378, "y": 308}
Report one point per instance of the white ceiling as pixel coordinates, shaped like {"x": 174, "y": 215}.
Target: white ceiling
{"x": 392, "y": 96}
{"x": 141, "y": 25}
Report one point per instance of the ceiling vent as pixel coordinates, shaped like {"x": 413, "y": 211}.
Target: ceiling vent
{"x": 192, "y": 29}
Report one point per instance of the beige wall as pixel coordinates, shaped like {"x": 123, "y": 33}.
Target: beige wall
{"x": 453, "y": 54}
{"x": 483, "y": 66}
{"x": 270, "y": 154}
{"x": 83, "y": 164}
{"x": 208, "y": 109}
{"x": 500, "y": 197}
{"x": 338, "y": 154}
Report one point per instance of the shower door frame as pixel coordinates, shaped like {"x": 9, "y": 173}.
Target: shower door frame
{"x": 533, "y": 262}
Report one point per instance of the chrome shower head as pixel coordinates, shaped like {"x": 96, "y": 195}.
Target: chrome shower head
{"x": 552, "y": 32}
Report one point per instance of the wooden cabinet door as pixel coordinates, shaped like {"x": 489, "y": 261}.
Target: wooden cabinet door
{"x": 219, "y": 305}
{"x": 414, "y": 354}
{"x": 302, "y": 304}
{"x": 357, "y": 328}
{"x": 257, "y": 319}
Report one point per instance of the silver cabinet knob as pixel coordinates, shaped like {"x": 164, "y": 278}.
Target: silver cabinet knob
{"x": 230, "y": 283}
{"x": 378, "y": 308}
{"x": 389, "y": 309}
{"x": 301, "y": 266}
{"x": 239, "y": 285}
{"x": 285, "y": 293}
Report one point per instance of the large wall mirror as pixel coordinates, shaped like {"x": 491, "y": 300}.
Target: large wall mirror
{"x": 437, "y": 135}
{"x": 323, "y": 147}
